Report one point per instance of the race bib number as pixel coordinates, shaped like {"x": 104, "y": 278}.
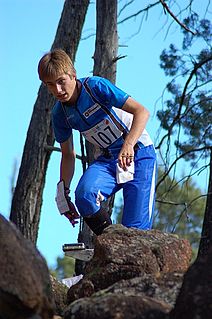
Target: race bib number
{"x": 102, "y": 134}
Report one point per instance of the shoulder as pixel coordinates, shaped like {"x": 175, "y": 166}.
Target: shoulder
{"x": 105, "y": 91}
{"x": 99, "y": 85}
{"x": 57, "y": 113}
{"x": 97, "y": 81}
{"x": 57, "y": 109}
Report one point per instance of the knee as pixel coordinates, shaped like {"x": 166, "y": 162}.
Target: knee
{"x": 82, "y": 200}
{"x": 87, "y": 200}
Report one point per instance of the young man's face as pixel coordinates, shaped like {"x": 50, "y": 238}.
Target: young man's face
{"x": 62, "y": 87}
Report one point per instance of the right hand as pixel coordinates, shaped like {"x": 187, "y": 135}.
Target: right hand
{"x": 126, "y": 156}
{"x": 65, "y": 205}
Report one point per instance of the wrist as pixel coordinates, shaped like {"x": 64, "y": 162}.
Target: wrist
{"x": 65, "y": 184}
{"x": 67, "y": 190}
{"x": 128, "y": 144}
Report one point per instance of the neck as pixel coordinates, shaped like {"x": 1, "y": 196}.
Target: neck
{"x": 75, "y": 95}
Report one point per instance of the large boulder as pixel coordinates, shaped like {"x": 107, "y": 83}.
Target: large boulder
{"x": 25, "y": 287}
{"x": 133, "y": 274}
{"x": 125, "y": 253}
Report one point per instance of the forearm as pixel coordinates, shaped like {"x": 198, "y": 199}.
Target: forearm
{"x": 138, "y": 125}
{"x": 67, "y": 167}
{"x": 140, "y": 118}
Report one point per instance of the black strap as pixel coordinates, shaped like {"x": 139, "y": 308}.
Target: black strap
{"x": 104, "y": 108}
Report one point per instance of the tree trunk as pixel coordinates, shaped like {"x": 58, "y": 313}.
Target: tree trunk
{"x": 105, "y": 58}
{"x": 106, "y": 46}
{"x": 27, "y": 198}
{"x": 206, "y": 237}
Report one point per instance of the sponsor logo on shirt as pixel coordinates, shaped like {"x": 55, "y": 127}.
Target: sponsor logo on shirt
{"x": 94, "y": 108}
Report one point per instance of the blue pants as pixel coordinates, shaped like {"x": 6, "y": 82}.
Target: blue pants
{"x": 99, "y": 182}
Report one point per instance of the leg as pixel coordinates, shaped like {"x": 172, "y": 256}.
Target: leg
{"x": 96, "y": 185}
{"x": 98, "y": 221}
{"x": 139, "y": 194}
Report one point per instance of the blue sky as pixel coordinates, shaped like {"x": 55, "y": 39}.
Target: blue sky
{"x": 27, "y": 31}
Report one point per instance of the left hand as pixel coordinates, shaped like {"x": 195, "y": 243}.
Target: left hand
{"x": 126, "y": 156}
{"x": 65, "y": 205}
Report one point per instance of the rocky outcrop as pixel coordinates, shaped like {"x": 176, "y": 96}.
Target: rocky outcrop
{"x": 25, "y": 288}
{"x": 133, "y": 274}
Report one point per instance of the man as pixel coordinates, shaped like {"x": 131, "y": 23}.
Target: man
{"x": 124, "y": 154}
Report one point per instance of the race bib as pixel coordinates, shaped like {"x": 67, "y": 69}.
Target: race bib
{"x": 102, "y": 134}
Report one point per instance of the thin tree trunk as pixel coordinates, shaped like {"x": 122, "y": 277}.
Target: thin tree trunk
{"x": 106, "y": 49}
{"x": 206, "y": 238}
{"x": 105, "y": 58}
{"x": 27, "y": 198}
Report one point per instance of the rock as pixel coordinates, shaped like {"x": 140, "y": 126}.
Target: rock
{"x": 125, "y": 253}
{"x": 117, "y": 306}
{"x": 25, "y": 287}
{"x": 60, "y": 295}
{"x": 194, "y": 300}
{"x": 84, "y": 288}
{"x": 165, "y": 288}
{"x": 140, "y": 297}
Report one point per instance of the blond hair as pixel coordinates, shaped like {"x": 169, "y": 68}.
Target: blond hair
{"x": 55, "y": 63}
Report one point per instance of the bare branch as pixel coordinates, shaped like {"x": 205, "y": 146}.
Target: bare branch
{"x": 185, "y": 178}
{"x": 125, "y": 6}
{"x": 178, "y": 116}
{"x": 186, "y": 209}
{"x": 169, "y": 202}
{"x": 88, "y": 36}
{"x": 139, "y": 12}
{"x": 177, "y": 159}
{"x": 50, "y": 148}
{"x": 119, "y": 57}
{"x": 166, "y": 8}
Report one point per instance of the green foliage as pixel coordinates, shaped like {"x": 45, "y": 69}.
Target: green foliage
{"x": 188, "y": 110}
{"x": 170, "y": 60}
{"x": 65, "y": 268}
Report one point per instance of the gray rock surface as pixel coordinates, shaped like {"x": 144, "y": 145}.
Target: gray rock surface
{"x": 25, "y": 287}
{"x": 133, "y": 274}
{"x": 123, "y": 253}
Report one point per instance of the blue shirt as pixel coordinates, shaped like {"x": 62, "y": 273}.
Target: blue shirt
{"x": 97, "y": 115}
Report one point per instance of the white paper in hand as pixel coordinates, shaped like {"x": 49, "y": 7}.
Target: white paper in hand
{"x": 125, "y": 176}
{"x": 60, "y": 198}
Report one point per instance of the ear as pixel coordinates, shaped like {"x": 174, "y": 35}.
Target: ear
{"x": 73, "y": 76}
